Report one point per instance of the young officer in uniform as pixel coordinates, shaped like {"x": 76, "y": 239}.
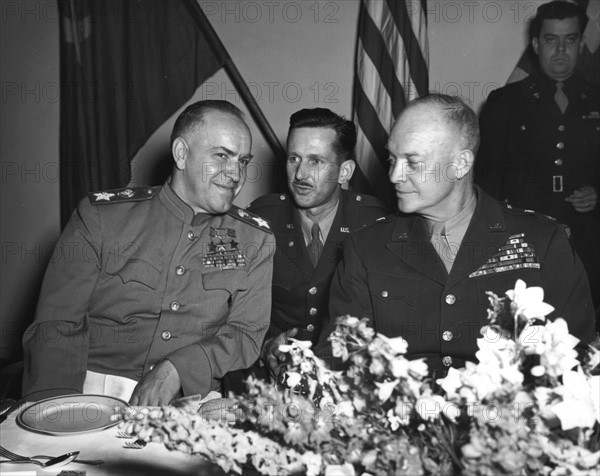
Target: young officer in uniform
{"x": 311, "y": 224}
{"x": 424, "y": 275}
{"x": 540, "y": 137}
{"x": 157, "y": 292}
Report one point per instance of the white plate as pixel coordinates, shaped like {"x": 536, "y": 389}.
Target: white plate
{"x": 70, "y": 414}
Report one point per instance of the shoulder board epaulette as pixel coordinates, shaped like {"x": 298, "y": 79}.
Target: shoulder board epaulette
{"x": 271, "y": 199}
{"x": 249, "y": 218}
{"x": 525, "y": 211}
{"x": 136, "y": 194}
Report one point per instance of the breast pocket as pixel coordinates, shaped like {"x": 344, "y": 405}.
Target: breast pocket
{"x": 229, "y": 282}
{"x": 133, "y": 271}
{"x": 394, "y": 299}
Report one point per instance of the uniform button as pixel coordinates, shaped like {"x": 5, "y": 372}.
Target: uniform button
{"x": 312, "y": 290}
{"x": 313, "y": 311}
{"x": 290, "y": 244}
{"x": 450, "y": 299}
{"x": 447, "y": 361}
{"x": 166, "y": 335}
{"x": 523, "y": 127}
{"x": 191, "y": 236}
{"x": 310, "y": 328}
{"x": 561, "y": 128}
{"x": 179, "y": 270}
{"x": 558, "y": 162}
{"x": 447, "y": 336}
{"x": 175, "y": 306}
{"x": 384, "y": 294}
{"x": 358, "y": 198}
{"x": 282, "y": 197}
{"x": 560, "y": 145}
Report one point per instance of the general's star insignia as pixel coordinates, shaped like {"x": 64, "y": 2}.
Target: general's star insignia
{"x": 104, "y": 196}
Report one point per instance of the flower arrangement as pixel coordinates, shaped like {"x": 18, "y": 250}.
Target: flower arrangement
{"x": 529, "y": 406}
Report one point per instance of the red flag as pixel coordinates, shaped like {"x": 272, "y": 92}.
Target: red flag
{"x": 126, "y": 67}
{"x": 391, "y": 68}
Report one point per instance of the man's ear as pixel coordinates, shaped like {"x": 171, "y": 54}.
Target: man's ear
{"x": 179, "y": 149}
{"x": 464, "y": 162}
{"x": 581, "y": 44}
{"x": 346, "y": 171}
{"x": 536, "y": 45}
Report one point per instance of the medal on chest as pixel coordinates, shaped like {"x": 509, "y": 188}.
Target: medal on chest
{"x": 223, "y": 251}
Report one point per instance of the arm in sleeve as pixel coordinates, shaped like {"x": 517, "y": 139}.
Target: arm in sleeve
{"x": 492, "y": 149}
{"x": 56, "y": 344}
{"x": 349, "y": 294}
{"x": 236, "y": 345}
{"x": 566, "y": 288}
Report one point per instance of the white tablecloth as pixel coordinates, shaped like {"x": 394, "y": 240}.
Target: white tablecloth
{"x": 154, "y": 459}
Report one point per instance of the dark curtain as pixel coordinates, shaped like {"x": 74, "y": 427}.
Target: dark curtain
{"x": 126, "y": 66}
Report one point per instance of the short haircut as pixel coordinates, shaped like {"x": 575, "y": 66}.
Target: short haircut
{"x": 557, "y": 10}
{"x": 194, "y": 114}
{"x": 320, "y": 117}
{"x": 458, "y": 114}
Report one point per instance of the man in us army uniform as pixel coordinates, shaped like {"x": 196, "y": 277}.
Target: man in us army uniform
{"x": 540, "y": 137}
{"x": 311, "y": 224}
{"x": 166, "y": 288}
{"x": 424, "y": 275}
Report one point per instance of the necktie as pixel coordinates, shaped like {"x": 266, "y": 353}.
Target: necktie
{"x": 443, "y": 247}
{"x": 315, "y": 247}
{"x": 560, "y": 97}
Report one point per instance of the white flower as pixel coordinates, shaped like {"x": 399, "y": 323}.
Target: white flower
{"x": 312, "y": 461}
{"x": 430, "y": 407}
{"x": 577, "y": 408}
{"x": 345, "y": 469}
{"x": 385, "y": 389}
{"x": 293, "y": 379}
{"x": 529, "y": 302}
{"x": 451, "y": 382}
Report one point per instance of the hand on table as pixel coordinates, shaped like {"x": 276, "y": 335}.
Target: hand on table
{"x": 271, "y": 354}
{"x": 158, "y": 387}
{"x": 583, "y": 200}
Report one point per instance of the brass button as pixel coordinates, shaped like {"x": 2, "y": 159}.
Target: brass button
{"x": 290, "y": 244}
{"x": 310, "y": 328}
{"x": 523, "y": 127}
{"x": 281, "y": 197}
{"x": 450, "y": 299}
{"x": 166, "y": 335}
{"x": 358, "y": 198}
{"x": 558, "y": 162}
{"x": 179, "y": 270}
{"x": 312, "y": 290}
{"x": 447, "y": 336}
{"x": 384, "y": 294}
{"x": 175, "y": 306}
{"x": 313, "y": 311}
{"x": 561, "y": 128}
{"x": 560, "y": 145}
{"x": 191, "y": 236}
{"x": 447, "y": 361}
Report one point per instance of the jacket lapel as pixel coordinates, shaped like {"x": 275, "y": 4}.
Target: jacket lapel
{"x": 410, "y": 243}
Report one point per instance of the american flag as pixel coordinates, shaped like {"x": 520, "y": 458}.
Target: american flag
{"x": 391, "y": 69}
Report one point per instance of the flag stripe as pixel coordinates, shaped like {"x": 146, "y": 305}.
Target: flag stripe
{"x": 391, "y": 68}
{"x": 414, "y": 55}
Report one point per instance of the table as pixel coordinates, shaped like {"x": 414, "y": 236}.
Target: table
{"x": 154, "y": 459}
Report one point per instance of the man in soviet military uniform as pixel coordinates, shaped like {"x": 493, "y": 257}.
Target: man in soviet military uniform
{"x": 540, "y": 137}
{"x": 157, "y": 292}
{"x": 424, "y": 275}
{"x": 320, "y": 148}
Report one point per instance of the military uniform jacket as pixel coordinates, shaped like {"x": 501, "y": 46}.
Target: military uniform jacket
{"x": 135, "y": 278}
{"x": 300, "y": 291}
{"x": 391, "y": 274}
{"x": 534, "y": 156}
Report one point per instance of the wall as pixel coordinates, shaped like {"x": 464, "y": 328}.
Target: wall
{"x": 294, "y": 54}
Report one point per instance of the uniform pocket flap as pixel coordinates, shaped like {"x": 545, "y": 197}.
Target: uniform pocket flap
{"x": 136, "y": 270}
{"x": 229, "y": 280}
